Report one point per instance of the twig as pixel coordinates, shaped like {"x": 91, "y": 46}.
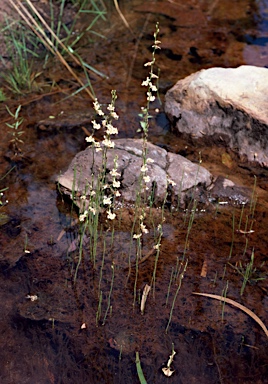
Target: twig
{"x": 237, "y": 305}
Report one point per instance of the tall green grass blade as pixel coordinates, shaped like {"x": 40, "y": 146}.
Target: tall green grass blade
{"x": 139, "y": 369}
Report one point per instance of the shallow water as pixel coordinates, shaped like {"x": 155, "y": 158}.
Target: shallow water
{"x": 42, "y": 341}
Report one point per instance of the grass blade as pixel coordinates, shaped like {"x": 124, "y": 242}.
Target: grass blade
{"x": 139, "y": 369}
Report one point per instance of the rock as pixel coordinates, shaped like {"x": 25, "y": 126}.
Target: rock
{"x": 225, "y": 191}
{"x": 183, "y": 172}
{"x": 227, "y": 104}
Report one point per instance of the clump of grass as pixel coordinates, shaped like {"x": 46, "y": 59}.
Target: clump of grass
{"x": 20, "y": 78}
{"x": 58, "y": 39}
{"x": 249, "y": 273}
{"x": 15, "y": 129}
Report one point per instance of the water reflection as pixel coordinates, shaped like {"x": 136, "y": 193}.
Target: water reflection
{"x": 256, "y": 50}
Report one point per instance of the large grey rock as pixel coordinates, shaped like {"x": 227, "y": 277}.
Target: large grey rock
{"x": 166, "y": 165}
{"x": 230, "y": 104}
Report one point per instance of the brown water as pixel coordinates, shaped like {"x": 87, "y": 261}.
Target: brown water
{"x": 42, "y": 341}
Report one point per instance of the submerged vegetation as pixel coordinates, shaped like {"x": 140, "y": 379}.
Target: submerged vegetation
{"x": 113, "y": 267}
{"x": 130, "y": 262}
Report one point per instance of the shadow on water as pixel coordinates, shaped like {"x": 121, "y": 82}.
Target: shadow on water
{"x": 69, "y": 335}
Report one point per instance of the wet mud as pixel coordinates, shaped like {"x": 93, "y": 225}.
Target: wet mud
{"x": 67, "y": 318}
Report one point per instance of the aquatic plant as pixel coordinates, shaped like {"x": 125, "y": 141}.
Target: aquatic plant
{"x": 249, "y": 273}
{"x": 98, "y": 202}
{"x": 15, "y": 128}
{"x": 139, "y": 370}
{"x": 100, "y": 194}
{"x": 224, "y": 294}
{"x": 167, "y": 370}
{"x": 179, "y": 283}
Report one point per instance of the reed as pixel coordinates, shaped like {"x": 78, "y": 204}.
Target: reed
{"x": 224, "y": 294}
{"x": 109, "y": 307}
{"x": 180, "y": 278}
{"x": 249, "y": 273}
{"x": 16, "y": 129}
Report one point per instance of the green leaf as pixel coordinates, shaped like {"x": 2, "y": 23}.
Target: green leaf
{"x": 143, "y": 124}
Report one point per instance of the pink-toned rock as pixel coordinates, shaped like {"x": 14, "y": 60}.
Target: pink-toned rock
{"x": 226, "y": 103}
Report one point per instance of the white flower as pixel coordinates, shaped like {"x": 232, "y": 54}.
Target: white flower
{"x": 143, "y": 228}
{"x": 83, "y": 197}
{"x": 170, "y": 181}
{"x": 97, "y": 108}
{"x": 146, "y": 82}
{"x": 96, "y": 125}
{"x": 83, "y": 216}
{"x": 150, "y": 97}
{"x": 114, "y": 173}
{"x": 32, "y": 297}
{"x": 153, "y": 76}
{"x": 90, "y": 139}
{"x": 149, "y": 63}
{"x": 92, "y": 210}
{"x": 107, "y": 200}
{"x": 117, "y": 194}
{"x": 110, "y": 215}
{"x": 153, "y": 87}
{"x": 156, "y": 44}
{"x": 146, "y": 179}
{"x": 98, "y": 149}
{"x": 114, "y": 115}
{"x": 111, "y": 130}
{"x": 135, "y": 236}
{"x": 167, "y": 371}
{"x": 157, "y": 246}
{"x": 100, "y": 113}
{"x": 116, "y": 183}
{"x": 108, "y": 143}
{"x": 149, "y": 160}
{"x": 110, "y": 107}
{"x": 144, "y": 168}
